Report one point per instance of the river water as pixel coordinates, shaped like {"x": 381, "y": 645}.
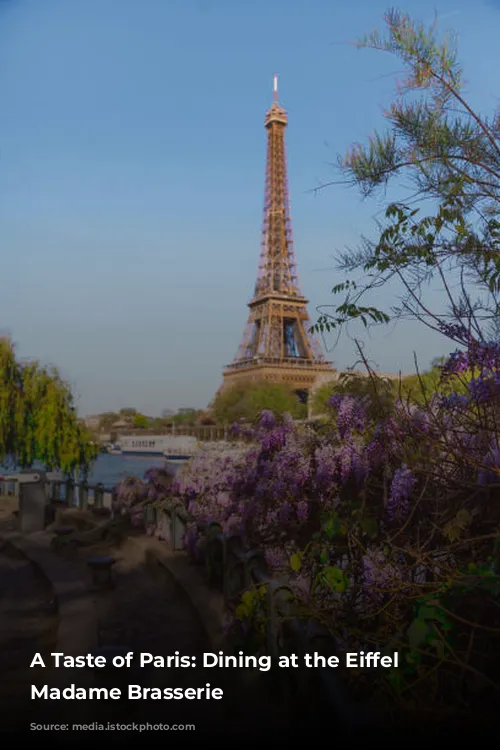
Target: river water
{"x": 111, "y": 469}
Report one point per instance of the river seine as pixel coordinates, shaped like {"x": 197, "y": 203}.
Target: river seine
{"x": 111, "y": 469}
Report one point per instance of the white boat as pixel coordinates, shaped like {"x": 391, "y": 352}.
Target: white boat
{"x": 172, "y": 447}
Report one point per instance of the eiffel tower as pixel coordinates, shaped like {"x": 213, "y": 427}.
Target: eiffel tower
{"x": 277, "y": 345}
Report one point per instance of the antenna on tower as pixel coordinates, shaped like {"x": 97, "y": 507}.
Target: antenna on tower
{"x": 275, "y": 88}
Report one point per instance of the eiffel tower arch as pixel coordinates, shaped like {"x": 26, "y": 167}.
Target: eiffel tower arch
{"x": 277, "y": 345}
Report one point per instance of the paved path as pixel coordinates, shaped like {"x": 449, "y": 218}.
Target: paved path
{"x": 28, "y": 623}
{"x": 145, "y": 611}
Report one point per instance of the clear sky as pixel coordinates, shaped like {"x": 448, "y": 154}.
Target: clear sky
{"x": 132, "y": 153}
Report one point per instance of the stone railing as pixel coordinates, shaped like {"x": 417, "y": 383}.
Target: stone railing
{"x": 41, "y": 492}
{"x": 232, "y": 569}
{"x": 67, "y": 491}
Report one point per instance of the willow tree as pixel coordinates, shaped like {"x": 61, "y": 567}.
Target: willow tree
{"x": 38, "y": 420}
{"x": 446, "y": 230}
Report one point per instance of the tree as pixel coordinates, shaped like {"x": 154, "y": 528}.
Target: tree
{"x": 247, "y": 399}
{"x": 38, "y": 420}
{"x": 128, "y": 412}
{"x": 140, "y": 421}
{"x": 187, "y": 418}
{"x": 452, "y": 156}
{"x": 107, "y": 420}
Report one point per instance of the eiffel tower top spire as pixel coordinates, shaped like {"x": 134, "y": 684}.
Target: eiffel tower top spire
{"x": 277, "y": 344}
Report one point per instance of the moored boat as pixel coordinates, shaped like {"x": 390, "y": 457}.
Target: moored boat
{"x": 114, "y": 449}
{"x": 174, "y": 448}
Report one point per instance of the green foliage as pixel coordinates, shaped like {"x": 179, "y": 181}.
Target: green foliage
{"x": 141, "y": 421}
{"x": 128, "y": 412}
{"x": 185, "y": 418}
{"x": 248, "y": 398}
{"x": 448, "y": 153}
{"x": 379, "y": 392}
{"x": 419, "y": 388}
{"x": 38, "y": 421}
{"x": 157, "y": 424}
{"x": 333, "y": 526}
{"x": 107, "y": 420}
{"x": 334, "y": 578}
{"x": 251, "y": 611}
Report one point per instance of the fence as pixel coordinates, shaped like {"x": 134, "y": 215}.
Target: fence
{"x": 203, "y": 433}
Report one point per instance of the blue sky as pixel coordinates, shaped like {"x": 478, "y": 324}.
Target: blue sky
{"x": 132, "y": 152}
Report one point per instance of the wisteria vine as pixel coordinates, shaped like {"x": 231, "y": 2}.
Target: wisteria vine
{"x": 382, "y": 520}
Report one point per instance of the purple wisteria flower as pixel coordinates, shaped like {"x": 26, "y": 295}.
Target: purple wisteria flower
{"x": 274, "y": 439}
{"x": 403, "y": 484}
{"x": 351, "y": 413}
{"x": 490, "y": 473}
{"x": 302, "y": 510}
{"x": 335, "y": 400}
{"x": 130, "y": 492}
{"x": 352, "y": 461}
{"x": 375, "y": 453}
{"x": 485, "y": 387}
{"x": 454, "y": 401}
{"x": 326, "y": 465}
{"x": 482, "y": 356}
{"x": 380, "y": 577}
{"x": 276, "y": 559}
{"x": 267, "y": 419}
{"x": 285, "y": 512}
{"x": 456, "y": 331}
{"x": 272, "y": 516}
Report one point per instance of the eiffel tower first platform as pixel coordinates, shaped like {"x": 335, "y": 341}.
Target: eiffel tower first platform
{"x": 277, "y": 345}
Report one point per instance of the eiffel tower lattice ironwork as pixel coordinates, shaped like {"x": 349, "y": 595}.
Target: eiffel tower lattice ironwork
{"x": 277, "y": 344}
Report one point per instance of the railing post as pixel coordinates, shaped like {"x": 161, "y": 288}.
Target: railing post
{"x": 178, "y": 528}
{"x": 215, "y": 554}
{"x": 69, "y": 484}
{"x": 84, "y": 495}
{"x": 32, "y": 501}
{"x": 99, "y": 495}
{"x": 56, "y": 491}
